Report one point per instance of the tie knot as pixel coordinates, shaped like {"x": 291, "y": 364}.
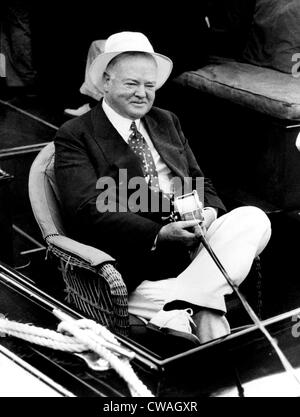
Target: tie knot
{"x": 133, "y": 127}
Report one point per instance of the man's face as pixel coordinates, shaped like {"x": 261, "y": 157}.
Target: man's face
{"x": 130, "y": 85}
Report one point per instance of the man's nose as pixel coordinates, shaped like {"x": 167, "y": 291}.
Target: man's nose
{"x": 140, "y": 91}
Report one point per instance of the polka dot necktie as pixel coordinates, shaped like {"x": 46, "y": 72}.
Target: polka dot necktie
{"x": 140, "y": 147}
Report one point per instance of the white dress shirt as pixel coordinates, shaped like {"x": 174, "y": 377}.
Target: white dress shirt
{"x": 122, "y": 125}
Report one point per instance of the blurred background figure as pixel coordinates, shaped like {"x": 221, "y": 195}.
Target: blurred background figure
{"x": 88, "y": 89}
{"x": 17, "y": 71}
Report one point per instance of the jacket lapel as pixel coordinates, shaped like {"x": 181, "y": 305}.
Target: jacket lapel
{"x": 169, "y": 152}
{"x": 118, "y": 152}
{"x": 115, "y": 149}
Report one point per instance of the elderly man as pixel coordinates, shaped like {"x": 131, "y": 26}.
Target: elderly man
{"x": 125, "y": 139}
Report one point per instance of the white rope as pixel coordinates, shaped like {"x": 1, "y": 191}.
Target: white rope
{"x": 84, "y": 335}
{"x": 40, "y": 336}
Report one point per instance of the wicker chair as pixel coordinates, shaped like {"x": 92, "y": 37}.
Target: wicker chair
{"x": 92, "y": 283}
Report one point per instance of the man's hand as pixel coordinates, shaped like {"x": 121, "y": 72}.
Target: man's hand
{"x": 186, "y": 232}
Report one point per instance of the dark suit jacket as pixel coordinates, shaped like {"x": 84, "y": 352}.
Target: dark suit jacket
{"x": 89, "y": 148}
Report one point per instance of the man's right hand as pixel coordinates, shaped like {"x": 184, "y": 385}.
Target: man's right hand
{"x": 186, "y": 232}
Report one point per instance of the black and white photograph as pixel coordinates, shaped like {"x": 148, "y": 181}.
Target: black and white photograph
{"x": 149, "y": 202}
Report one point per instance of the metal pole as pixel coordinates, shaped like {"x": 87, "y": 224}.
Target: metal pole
{"x": 285, "y": 363}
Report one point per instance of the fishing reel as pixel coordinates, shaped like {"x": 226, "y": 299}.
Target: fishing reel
{"x": 187, "y": 207}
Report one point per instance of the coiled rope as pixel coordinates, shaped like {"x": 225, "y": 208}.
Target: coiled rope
{"x": 82, "y": 335}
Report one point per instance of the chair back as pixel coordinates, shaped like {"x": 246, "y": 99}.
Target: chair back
{"x": 43, "y": 193}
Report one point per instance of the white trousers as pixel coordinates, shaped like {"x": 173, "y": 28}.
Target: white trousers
{"x": 236, "y": 238}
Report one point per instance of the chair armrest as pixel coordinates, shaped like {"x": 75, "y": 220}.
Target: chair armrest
{"x": 93, "y": 284}
{"x": 91, "y": 255}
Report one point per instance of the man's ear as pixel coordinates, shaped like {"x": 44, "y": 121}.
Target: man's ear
{"x": 106, "y": 80}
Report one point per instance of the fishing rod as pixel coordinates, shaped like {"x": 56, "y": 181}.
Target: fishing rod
{"x": 189, "y": 206}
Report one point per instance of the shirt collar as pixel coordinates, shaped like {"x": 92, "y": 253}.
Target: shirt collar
{"x": 120, "y": 123}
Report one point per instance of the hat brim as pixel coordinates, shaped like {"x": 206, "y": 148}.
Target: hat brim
{"x": 98, "y": 67}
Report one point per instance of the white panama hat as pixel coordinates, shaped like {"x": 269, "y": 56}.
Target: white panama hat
{"x": 121, "y": 42}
